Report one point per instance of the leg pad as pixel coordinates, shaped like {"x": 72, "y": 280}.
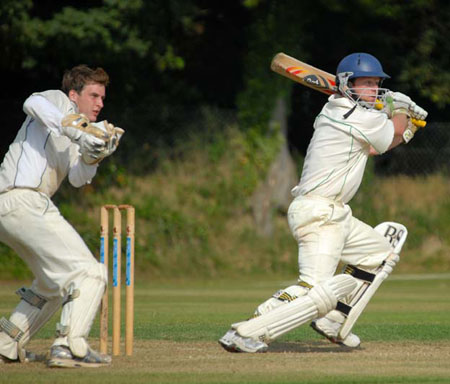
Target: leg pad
{"x": 31, "y": 297}
{"x": 11, "y": 329}
{"x": 320, "y": 300}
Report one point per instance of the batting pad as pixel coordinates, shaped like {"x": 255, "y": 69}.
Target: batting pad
{"x": 79, "y": 312}
{"x": 282, "y": 297}
{"x": 26, "y": 319}
{"x": 320, "y": 300}
{"x": 396, "y": 234}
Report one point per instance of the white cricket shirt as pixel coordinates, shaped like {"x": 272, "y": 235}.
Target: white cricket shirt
{"x": 338, "y": 152}
{"x": 41, "y": 156}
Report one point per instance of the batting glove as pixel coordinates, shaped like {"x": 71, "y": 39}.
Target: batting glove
{"x": 398, "y": 100}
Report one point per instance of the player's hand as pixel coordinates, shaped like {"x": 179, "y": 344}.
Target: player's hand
{"x": 91, "y": 157}
{"x": 114, "y": 136}
{"x": 75, "y": 124}
{"x": 410, "y": 131}
{"x": 399, "y": 101}
{"x": 418, "y": 113}
{"x": 80, "y": 131}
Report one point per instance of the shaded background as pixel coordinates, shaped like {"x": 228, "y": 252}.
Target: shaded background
{"x": 168, "y": 60}
{"x": 214, "y": 139}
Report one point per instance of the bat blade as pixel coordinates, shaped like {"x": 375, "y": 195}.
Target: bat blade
{"x": 303, "y": 73}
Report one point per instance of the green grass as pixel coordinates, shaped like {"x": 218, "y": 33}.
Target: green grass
{"x": 177, "y": 324}
{"x": 185, "y": 311}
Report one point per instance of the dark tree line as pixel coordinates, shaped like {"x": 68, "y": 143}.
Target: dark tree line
{"x": 168, "y": 59}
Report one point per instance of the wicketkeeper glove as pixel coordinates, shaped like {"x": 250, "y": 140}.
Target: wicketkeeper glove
{"x": 80, "y": 131}
{"x": 96, "y": 140}
{"x": 114, "y": 135}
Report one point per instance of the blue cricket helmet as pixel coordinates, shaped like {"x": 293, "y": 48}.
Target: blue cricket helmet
{"x": 361, "y": 65}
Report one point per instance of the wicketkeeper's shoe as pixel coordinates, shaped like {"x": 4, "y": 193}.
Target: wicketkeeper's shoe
{"x": 62, "y": 357}
{"x": 330, "y": 329}
{"x": 30, "y": 357}
{"x": 233, "y": 342}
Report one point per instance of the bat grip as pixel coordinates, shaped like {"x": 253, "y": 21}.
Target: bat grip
{"x": 419, "y": 123}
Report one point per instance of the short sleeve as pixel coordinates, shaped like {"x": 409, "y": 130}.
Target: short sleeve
{"x": 373, "y": 127}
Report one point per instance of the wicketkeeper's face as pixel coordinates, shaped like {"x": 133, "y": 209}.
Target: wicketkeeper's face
{"x": 89, "y": 100}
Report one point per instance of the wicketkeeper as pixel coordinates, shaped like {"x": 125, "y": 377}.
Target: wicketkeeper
{"x": 362, "y": 120}
{"x": 59, "y": 138}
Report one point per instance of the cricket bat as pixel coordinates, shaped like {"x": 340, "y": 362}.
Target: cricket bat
{"x": 312, "y": 77}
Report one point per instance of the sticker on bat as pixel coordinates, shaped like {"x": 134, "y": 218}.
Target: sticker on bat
{"x": 393, "y": 234}
{"x": 320, "y": 82}
{"x": 294, "y": 70}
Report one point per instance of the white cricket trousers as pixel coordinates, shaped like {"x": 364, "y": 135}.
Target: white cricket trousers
{"x": 327, "y": 233}
{"x": 34, "y": 228}
{"x": 61, "y": 263}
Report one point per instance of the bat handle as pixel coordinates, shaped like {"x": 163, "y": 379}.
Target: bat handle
{"x": 419, "y": 123}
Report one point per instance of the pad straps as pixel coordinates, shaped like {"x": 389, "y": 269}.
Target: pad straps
{"x": 359, "y": 273}
{"x": 63, "y": 327}
{"x": 31, "y": 298}
{"x": 11, "y": 329}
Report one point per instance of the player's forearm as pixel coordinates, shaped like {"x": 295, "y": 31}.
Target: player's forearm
{"x": 396, "y": 142}
{"x": 400, "y": 124}
{"x": 81, "y": 173}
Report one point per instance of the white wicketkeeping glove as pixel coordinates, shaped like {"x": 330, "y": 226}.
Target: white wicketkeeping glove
{"x": 110, "y": 146}
{"x": 80, "y": 131}
{"x": 114, "y": 134}
{"x": 399, "y": 101}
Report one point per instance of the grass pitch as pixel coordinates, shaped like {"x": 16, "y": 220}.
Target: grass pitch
{"x": 405, "y": 332}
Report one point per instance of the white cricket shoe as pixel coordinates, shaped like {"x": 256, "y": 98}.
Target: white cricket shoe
{"x": 330, "y": 329}
{"x": 233, "y": 342}
{"x": 62, "y": 357}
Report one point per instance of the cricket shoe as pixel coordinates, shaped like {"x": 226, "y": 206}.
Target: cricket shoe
{"x": 62, "y": 357}
{"x": 30, "y": 357}
{"x": 330, "y": 329}
{"x": 233, "y": 342}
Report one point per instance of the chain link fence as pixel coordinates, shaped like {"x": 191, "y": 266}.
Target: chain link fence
{"x": 428, "y": 152}
{"x": 155, "y": 130}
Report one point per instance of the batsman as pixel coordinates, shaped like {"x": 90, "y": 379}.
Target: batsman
{"x": 351, "y": 127}
{"x": 59, "y": 138}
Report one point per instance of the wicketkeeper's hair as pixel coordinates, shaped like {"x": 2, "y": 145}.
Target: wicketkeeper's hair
{"x": 81, "y": 75}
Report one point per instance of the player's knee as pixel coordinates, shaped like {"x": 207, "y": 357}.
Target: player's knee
{"x": 98, "y": 272}
{"x": 102, "y": 273}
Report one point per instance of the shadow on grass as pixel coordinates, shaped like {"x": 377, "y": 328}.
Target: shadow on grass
{"x": 308, "y": 347}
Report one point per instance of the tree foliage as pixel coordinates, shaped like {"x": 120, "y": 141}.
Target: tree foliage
{"x": 168, "y": 59}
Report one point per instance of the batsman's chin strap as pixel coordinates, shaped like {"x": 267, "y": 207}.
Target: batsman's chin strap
{"x": 350, "y": 112}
